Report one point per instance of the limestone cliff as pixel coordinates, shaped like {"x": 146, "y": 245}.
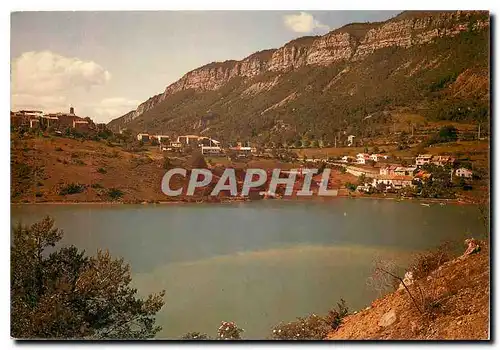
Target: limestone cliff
{"x": 354, "y": 42}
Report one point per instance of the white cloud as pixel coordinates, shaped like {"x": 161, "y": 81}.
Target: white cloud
{"x": 304, "y": 23}
{"x": 45, "y": 73}
{"x": 113, "y": 107}
{"x": 45, "y": 80}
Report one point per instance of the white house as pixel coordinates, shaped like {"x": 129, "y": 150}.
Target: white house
{"x": 388, "y": 169}
{"x": 143, "y": 137}
{"x": 423, "y": 159}
{"x": 463, "y": 172}
{"x": 361, "y": 158}
{"x": 404, "y": 171}
{"x": 393, "y": 181}
{"x": 363, "y": 188}
{"x": 176, "y": 145}
{"x": 211, "y": 150}
{"x": 377, "y": 157}
{"x": 161, "y": 138}
{"x": 350, "y": 140}
{"x": 188, "y": 139}
{"x": 208, "y": 141}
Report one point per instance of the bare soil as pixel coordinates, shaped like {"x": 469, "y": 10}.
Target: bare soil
{"x": 456, "y": 306}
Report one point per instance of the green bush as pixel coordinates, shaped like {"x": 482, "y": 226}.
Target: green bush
{"x": 115, "y": 193}
{"x": 335, "y": 316}
{"x": 78, "y": 162}
{"x": 50, "y": 300}
{"x": 229, "y": 331}
{"x": 102, "y": 171}
{"x": 71, "y": 188}
{"x": 312, "y": 327}
{"x": 350, "y": 186}
{"x": 195, "y": 336}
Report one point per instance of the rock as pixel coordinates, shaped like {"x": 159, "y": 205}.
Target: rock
{"x": 388, "y": 318}
{"x": 472, "y": 247}
{"x": 408, "y": 280}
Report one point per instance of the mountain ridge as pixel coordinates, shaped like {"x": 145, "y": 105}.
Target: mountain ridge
{"x": 352, "y": 43}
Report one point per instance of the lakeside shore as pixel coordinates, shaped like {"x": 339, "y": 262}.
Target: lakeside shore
{"x": 239, "y": 200}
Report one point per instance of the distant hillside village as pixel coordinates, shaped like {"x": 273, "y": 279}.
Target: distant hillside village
{"x": 206, "y": 145}
{"x": 57, "y": 122}
{"x": 379, "y": 173}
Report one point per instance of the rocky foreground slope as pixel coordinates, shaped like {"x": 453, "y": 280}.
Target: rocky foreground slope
{"x": 456, "y": 306}
{"x": 361, "y": 66}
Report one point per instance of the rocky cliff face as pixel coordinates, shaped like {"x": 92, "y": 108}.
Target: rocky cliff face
{"x": 344, "y": 44}
{"x": 143, "y": 107}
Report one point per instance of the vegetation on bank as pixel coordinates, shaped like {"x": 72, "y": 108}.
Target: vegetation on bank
{"x": 60, "y": 292}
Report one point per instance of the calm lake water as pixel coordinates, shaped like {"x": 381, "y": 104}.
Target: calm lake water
{"x": 256, "y": 263}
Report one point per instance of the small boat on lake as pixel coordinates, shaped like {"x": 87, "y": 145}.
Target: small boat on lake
{"x": 425, "y": 204}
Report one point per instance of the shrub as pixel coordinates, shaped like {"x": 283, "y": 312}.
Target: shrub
{"x": 115, "y": 193}
{"x": 429, "y": 261}
{"x": 445, "y": 134}
{"x": 229, "y": 331}
{"x": 59, "y": 292}
{"x": 78, "y": 162}
{"x": 59, "y": 149}
{"x": 350, "y": 186}
{"x": 195, "y": 336}
{"x": 71, "y": 188}
{"x": 96, "y": 185}
{"x": 335, "y": 316}
{"x": 102, "y": 171}
{"x": 312, "y": 327}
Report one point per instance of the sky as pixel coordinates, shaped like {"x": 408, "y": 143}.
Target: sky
{"x": 105, "y": 63}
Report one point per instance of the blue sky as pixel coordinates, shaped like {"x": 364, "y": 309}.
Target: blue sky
{"x": 105, "y": 63}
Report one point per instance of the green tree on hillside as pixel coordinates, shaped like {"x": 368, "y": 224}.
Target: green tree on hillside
{"x": 67, "y": 294}
{"x": 445, "y": 134}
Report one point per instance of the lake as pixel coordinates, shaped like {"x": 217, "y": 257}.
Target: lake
{"x": 256, "y": 263}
